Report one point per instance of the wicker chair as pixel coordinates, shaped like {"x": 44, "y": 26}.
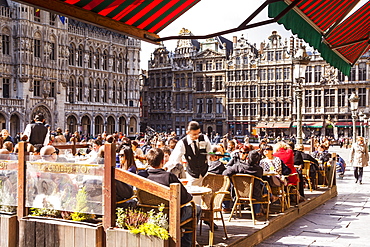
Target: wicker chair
{"x": 212, "y": 203}
{"x": 280, "y": 193}
{"x": 306, "y": 173}
{"x": 243, "y": 186}
{"x": 292, "y": 189}
{"x": 150, "y": 201}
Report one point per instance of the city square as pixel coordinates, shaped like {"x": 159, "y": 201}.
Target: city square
{"x": 87, "y": 106}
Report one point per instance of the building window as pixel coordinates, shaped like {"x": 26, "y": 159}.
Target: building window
{"x": 218, "y": 65}
{"x": 308, "y": 74}
{"x": 209, "y": 65}
{"x": 279, "y": 90}
{"x": 237, "y": 92}
{"x": 245, "y": 91}
{"x": 37, "y": 88}
{"x": 114, "y": 62}
{"x": 341, "y": 97}
{"x": 209, "y": 105}
{"x": 253, "y": 109}
{"x": 270, "y": 56}
{"x": 230, "y": 76}
{"x": 308, "y": 98}
{"x": 120, "y": 93}
{"x": 230, "y": 92}
{"x": 53, "y": 18}
{"x": 270, "y": 91}
{"x": 279, "y": 72}
{"x": 80, "y": 87}
{"x": 208, "y": 83}
{"x": 80, "y": 56}
{"x": 263, "y": 74}
{"x": 52, "y": 89}
{"x": 317, "y": 73}
{"x": 317, "y": 98}
{"x": 219, "y": 106}
{"x": 71, "y": 91}
{"x": 182, "y": 81}
{"x": 352, "y": 74}
{"x": 72, "y": 54}
{"x": 362, "y": 71}
{"x": 97, "y": 91}
{"x": 279, "y": 55}
{"x": 105, "y": 60}
{"x": 178, "y": 99}
{"x": 286, "y": 109}
{"x": 286, "y": 90}
{"x": 199, "y": 83}
{"x": 238, "y": 110}
{"x": 362, "y": 96}
{"x": 263, "y": 109}
{"x": 218, "y": 82}
{"x": 278, "y": 108}
{"x": 237, "y": 75}
{"x": 286, "y": 73}
{"x": 245, "y": 60}
{"x": 231, "y": 110}
{"x": 329, "y": 95}
{"x": 120, "y": 63}
{"x": 6, "y": 44}
{"x": 199, "y": 66}
{"x": 91, "y": 58}
{"x": 245, "y": 110}
{"x": 37, "y": 48}
{"x": 6, "y": 87}
{"x": 190, "y": 80}
{"x": 199, "y": 105}
{"x": 341, "y": 76}
{"x": 270, "y": 109}
{"x": 253, "y": 76}
{"x": 263, "y": 91}
{"x": 97, "y": 59}
{"x": 253, "y": 91}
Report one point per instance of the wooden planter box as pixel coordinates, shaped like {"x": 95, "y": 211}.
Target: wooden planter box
{"x": 43, "y": 231}
{"x": 117, "y": 237}
{"x": 8, "y": 230}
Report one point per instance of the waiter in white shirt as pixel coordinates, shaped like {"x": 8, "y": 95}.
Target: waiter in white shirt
{"x": 194, "y": 147}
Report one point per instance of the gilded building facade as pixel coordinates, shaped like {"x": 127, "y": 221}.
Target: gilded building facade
{"x": 79, "y": 76}
{"x": 233, "y": 86}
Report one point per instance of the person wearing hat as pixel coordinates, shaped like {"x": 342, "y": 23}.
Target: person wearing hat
{"x": 37, "y": 132}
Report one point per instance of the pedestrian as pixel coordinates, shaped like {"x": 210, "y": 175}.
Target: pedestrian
{"x": 195, "y": 147}
{"x": 37, "y": 132}
{"x": 359, "y": 157}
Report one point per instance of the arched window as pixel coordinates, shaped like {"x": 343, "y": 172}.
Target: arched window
{"x": 53, "y": 50}
{"x": 80, "y": 56}
{"x": 91, "y": 58}
{"x": 105, "y": 60}
{"x": 37, "y": 45}
{"x": 120, "y": 63}
{"x": 238, "y": 60}
{"x": 114, "y": 62}
{"x": 80, "y": 89}
{"x": 120, "y": 93}
{"x": 91, "y": 91}
{"x": 71, "y": 90}
{"x": 97, "y": 91}
{"x": 5, "y": 37}
{"x": 114, "y": 96}
{"x": 72, "y": 54}
{"x": 105, "y": 92}
{"x": 97, "y": 59}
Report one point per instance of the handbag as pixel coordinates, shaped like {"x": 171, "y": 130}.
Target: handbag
{"x": 275, "y": 181}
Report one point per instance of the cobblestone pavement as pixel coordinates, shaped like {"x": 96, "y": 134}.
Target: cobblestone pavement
{"x": 342, "y": 221}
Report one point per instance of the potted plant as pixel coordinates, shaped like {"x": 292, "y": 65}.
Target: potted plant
{"x": 138, "y": 228}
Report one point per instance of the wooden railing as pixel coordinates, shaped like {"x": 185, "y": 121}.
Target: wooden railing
{"x": 172, "y": 193}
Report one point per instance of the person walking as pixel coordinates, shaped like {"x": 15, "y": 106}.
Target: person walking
{"x": 194, "y": 147}
{"x": 359, "y": 157}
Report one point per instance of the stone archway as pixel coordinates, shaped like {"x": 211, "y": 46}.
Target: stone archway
{"x": 72, "y": 124}
{"x": 133, "y": 126}
{"x": 111, "y": 125}
{"x": 15, "y": 125}
{"x": 99, "y": 123}
{"x": 86, "y": 126}
{"x": 2, "y": 121}
{"x": 45, "y": 112}
{"x": 122, "y": 125}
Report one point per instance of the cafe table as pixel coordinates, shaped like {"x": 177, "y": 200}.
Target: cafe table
{"x": 197, "y": 192}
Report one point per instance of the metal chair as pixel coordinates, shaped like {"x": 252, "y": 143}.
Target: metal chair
{"x": 151, "y": 201}
{"x": 243, "y": 187}
{"x": 292, "y": 189}
{"x": 280, "y": 193}
{"x": 212, "y": 203}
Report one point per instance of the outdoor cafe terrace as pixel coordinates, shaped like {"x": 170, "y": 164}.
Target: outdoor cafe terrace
{"x": 30, "y": 182}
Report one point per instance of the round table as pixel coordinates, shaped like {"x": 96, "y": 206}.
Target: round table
{"x": 197, "y": 190}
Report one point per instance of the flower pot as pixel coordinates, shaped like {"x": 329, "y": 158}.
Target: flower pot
{"x": 8, "y": 230}
{"x": 43, "y": 231}
{"x": 117, "y": 237}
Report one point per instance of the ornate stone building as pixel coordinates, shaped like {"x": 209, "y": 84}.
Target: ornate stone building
{"x": 240, "y": 89}
{"x": 79, "y": 76}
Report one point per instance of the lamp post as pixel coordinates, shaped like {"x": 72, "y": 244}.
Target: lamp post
{"x": 365, "y": 127}
{"x": 354, "y": 99}
{"x": 300, "y": 62}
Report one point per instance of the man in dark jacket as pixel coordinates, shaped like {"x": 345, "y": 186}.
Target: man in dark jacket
{"x": 157, "y": 174}
{"x": 37, "y": 132}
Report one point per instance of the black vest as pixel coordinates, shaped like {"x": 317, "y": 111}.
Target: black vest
{"x": 38, "y": 133}
{"x": 197, "y": 163}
